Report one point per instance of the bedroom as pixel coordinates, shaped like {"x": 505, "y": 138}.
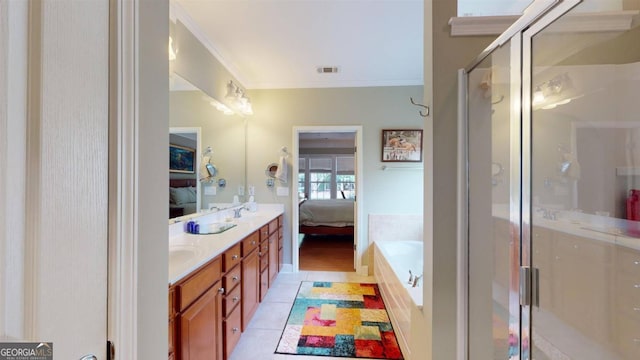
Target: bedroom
{"x": 326, "y": 190}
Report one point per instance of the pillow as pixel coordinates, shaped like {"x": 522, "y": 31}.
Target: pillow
{"x": 180, "y": 196}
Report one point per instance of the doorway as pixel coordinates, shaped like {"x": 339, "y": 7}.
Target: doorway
{"x": 325, "y": 212}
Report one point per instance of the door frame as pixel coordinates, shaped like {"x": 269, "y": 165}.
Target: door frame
{"x": 358, "y": 235}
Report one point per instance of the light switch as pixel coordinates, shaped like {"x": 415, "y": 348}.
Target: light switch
{"x": 209, "y": 190}
{"x": 282, "y": 191}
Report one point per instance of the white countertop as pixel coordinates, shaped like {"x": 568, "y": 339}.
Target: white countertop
{"x": 599, "y": 228}
{"x": 187, "y": 252}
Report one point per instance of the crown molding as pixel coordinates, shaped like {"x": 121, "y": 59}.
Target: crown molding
{"x": 335, "y": 84}
{"x": 578, "y": 22}
{"x": 176, "y": 11}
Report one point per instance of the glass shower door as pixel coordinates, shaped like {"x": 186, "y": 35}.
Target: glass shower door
{"x": 584, "y": 185}
{"x": 493, "y": 128}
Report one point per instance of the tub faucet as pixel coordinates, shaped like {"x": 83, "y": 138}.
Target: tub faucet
{"x": 410, "y": 282}
{"x": 415, "y": 280}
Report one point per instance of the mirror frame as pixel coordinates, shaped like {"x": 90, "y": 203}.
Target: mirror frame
{"x": 198, "y": 131}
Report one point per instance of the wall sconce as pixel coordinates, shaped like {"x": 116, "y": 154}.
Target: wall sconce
{"x": 238, "y": 99}
{"x": 172, "y": 53}
{"x": 557, "y": 91}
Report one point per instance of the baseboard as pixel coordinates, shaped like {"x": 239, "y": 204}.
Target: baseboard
{"x": 287, "y": 268}
{"x": 363, "y": 270}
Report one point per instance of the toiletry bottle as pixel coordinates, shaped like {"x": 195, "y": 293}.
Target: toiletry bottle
{"x": 196, "y": 228}
{"x": 190, "y": 225}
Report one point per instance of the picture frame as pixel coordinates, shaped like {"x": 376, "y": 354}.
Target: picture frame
{"x": 401, "y": 145}
{"x": 182, "y": 159}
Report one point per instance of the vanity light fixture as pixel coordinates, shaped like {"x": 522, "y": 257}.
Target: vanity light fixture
{"x": 172, "y": 53}
{"x": 238, "y": 99}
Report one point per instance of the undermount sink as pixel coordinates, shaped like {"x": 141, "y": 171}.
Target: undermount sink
{"x": 215, "y": 228}
{"x": 181, "y": 253}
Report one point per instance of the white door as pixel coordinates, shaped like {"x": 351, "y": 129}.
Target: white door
{"x": 54, "y": 142}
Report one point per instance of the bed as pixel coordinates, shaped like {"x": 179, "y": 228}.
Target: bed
{"x": 326, "y": 217}
{"x": 182, "y": 197}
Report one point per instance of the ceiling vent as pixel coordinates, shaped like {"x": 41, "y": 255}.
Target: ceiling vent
{"x": 327, "y": 69}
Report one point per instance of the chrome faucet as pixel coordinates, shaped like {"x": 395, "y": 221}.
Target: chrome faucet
{"x": 415, "y": 280}
{"x": 236, "y": 212}
{"x": 548, "y": 213}
{"x": 410, "y": 282}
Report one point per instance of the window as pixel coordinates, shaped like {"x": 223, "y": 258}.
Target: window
{"x": 327, "y": 177}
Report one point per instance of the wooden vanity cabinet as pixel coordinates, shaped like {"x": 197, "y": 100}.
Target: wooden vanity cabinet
{"x": 210, "y": 308}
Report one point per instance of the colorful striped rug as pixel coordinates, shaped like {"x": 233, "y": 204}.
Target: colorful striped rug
{"x": 340, "y": 320}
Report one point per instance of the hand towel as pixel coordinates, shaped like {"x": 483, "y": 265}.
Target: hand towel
{"x": 281, "y": 173}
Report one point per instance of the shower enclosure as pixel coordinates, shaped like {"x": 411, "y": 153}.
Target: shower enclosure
{"x": 551, "y": 241}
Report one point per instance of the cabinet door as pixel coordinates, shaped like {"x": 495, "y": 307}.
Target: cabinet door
{"x": 201, "y": 327}
{"x": 264, "y": 283}
{"x": 273, "y": 257}
{"x": 250, "y": 287}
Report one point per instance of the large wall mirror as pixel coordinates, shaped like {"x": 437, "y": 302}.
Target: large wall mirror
{"x": 196, "y": 126}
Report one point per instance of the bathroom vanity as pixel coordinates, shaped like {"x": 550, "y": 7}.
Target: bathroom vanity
{"x": 217, "y": 281}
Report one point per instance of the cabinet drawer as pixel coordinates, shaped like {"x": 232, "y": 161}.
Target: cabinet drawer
{"x": 231, "y": 279}
{"x": 628, "y": 260}
{"x": 264, "y": 232}
{"x": 231, "y": 301}
{"x": 250, "y": 243}
{"x": 264, "y": 248}
{"x": 198, "y": 283}
{"x": 627, "y": 292}
{"x": 264, "y": 260}
{"x": 273, "y": 226}
{"x": 231, "y": 257}
{"x": 280, "y": 242}
{"x": 280, "y": 221}
{"x": 232, "y": 332}
{"x": 584, "y": 250}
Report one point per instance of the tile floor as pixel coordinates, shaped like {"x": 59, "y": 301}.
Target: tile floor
{"x": 261, "y": 338}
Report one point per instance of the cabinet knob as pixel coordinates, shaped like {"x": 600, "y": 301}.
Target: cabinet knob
{"x": 259, "y": 253}
{"x": 636, "y": 309}
{"x": 235, "y": 278}
{"x": 637, "y": 286}
{"x": 253, "y": 242}
{"x": 221, "y": 290}
{"x": 234, "y": 257}
{"x": 235, "y": 330}
{"x": 636, "y": 262}
{"x": 235, "y": 299}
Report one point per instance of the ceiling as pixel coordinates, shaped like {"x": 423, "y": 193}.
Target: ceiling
{"x": 271, "y": 44}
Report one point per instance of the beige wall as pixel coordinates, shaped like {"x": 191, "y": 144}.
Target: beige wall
{"x": 449, "y": 55}
{"x": 151, "y": 193}
{"x": 278, "y": 111}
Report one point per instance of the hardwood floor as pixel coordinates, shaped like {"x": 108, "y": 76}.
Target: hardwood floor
{"x": 327, "y": 253}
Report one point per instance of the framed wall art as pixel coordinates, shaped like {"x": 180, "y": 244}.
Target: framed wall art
{"x": 401, "y": 145}
{"x": 181, "y": 159}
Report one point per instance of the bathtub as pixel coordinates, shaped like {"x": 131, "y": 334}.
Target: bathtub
{"x": 392, "y": 262}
